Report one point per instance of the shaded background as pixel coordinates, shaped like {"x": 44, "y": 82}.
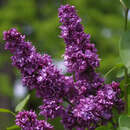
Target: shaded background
{"x": 38, "y": 19}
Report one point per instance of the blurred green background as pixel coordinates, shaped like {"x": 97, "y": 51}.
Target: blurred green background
{"x": 38, "y": 19}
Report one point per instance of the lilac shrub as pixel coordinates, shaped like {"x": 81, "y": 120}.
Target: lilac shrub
{"x": 90, "y": 101}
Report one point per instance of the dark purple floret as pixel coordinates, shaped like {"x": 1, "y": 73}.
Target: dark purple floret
{"x": 68, "y": 120}
{"x": 109, "y": 96}
{"x": 79, "y": 60}
{"x": 27, "y": 120}
{"x": 51, "y": 108}
{"x": 70, "y": 91}
{"x": 13, "y": 35}
{"x": 86, "y": 111}
{"x": 43, "y": 125}
{"x": 88, "y": 82}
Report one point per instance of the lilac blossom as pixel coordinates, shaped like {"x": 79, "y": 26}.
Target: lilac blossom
{"x": 51, "y": 108}
{"x": 88, "y": 82}
{"x": 38, "y": 70}
{"x": 43, "y": 125}
{"x": 93, "y": 110}
{"x": 27, "y": 120}
{"x": 80, "y": 54}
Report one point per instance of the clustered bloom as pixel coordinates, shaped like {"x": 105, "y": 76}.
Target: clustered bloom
{"x": 37, "y": 70}
{"x": 89, "y": 101}
{"x": 27, "y": 120}
{"x": 51, "y": 108}
{"x": 80, "y": 54}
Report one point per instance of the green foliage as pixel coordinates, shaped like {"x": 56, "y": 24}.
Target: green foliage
{"x": 56, "y": 123}
{"x": 14, "y": 127}
{"x": 6, "y": 111}
{"x": 127, "y": 2}
{"x": 124, "y": 48}
{"x": 106, "y": 127}
{"x": 118, "y": 66}
{"x": 124, "y": 122}
{"x": 22, "y": 104}
{"x": 101, "y": 128}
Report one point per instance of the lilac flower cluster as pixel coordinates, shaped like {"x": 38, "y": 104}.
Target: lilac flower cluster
{"x": 92, "y": 111}
{"x": 80, "y": 54}
{"x": 27, "y": 120}
{"x": 89, "y": 100}
{"x": 38, "y": 72}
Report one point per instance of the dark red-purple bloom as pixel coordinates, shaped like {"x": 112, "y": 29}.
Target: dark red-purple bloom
{"x": 27, "y": 120}
{"x": 80, "y": 54}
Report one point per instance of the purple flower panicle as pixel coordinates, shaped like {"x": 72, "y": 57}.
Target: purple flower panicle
{"x": 80, "y": 54}
{"x": 27, "y": 120}
{"x": 39, "y": 72}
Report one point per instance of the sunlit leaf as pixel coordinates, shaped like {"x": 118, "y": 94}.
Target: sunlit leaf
{"x": 101, "y": 128}
{"x": 22, "y": 104}
{"x": 118, "y": 66}
{"x": 124, "y": 128}
{"x": 6, "y": 111}
{"x": 124, "y": 122}
{"x": 14, "y": 127}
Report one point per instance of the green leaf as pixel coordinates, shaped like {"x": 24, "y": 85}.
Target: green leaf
{"x": 124, "y": 48}
{"x": 118, "y": 66}
{"x": 109, "y": 126}
{"x": 22, "y": 104}
{"x": 127, "y": 3}
{"x": 14, "y": 127}
{"x": 124, "y": 128}
{"x": 124, "y": 122}
{"x": 101, "y": 128}
{"x": 6, "y": 111}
